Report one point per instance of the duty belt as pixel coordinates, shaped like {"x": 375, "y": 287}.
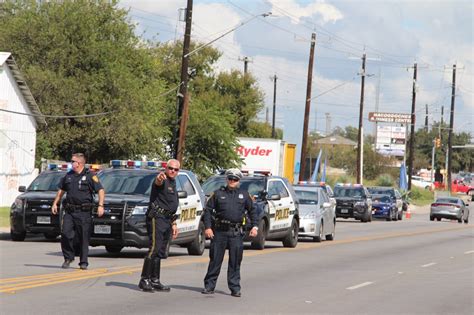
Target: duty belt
{"x": 166, "y": 213}
{"x": 226, "y": 225}
{"x": 86, "y": 207}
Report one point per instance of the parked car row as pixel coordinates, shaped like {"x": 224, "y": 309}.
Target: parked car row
{"x": 286, "y": 212}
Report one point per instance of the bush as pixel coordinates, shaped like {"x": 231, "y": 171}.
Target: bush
{"x": 384, "y": 180}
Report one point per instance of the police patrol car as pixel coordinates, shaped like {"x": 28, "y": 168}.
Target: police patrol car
{"x": 127, "y": 186}
{"x": 31, "y": 211}
{"x": 276, "y": 204}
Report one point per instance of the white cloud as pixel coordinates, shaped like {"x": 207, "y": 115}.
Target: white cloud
{"x": 320, "y": 9}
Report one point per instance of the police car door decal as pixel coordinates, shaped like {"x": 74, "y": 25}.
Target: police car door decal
{"x": 279, "y": 209}
{"x": 189, "y": 209}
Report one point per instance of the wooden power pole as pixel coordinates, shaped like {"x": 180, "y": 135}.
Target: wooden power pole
{"x": 307, "y": 109}
{"x": 451, "y": 126}
{"x": 183, "y": 99}
{"x": 360, "y": 138}
{"x": 411, "y": 157}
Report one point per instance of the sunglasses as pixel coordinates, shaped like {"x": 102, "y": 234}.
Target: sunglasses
{"x": 232, "y": 179}
{"x": 173, "y": 169}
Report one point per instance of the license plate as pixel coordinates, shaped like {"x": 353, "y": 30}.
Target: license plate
{"x": 102, "y": 229}
{"x": 43, "y": 220}
{"x": 344, "y": 210}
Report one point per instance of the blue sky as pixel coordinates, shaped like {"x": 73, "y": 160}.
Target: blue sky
{"x": 393, "y": 34}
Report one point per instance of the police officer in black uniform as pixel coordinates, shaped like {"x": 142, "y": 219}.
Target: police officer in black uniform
{"x": 229, "y": 205}
{"x": 161, "y": 225}
{"x": 79, "y": 185}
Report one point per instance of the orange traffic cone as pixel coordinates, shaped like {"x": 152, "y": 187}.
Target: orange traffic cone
{"x": 408, "y": 214}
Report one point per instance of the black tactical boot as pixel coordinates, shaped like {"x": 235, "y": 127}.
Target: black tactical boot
{"x": 145, "y": 282}
{"x": 155, "y": 276}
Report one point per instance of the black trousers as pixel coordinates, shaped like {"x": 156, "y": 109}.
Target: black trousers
{"x": 159, "y": 233}
{"x": 76, "y": 227}
{"x": 233, "y": 241}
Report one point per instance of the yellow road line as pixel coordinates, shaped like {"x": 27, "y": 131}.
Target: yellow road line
{"x": 12, "y": 285}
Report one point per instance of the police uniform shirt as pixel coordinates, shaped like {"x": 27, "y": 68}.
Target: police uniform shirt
{"x": 80, "y": 187}
{"x": 165, "y": 195}
{"x": 230, "y": 204}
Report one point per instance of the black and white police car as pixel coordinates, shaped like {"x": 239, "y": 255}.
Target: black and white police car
{"x": 127, "y": 186}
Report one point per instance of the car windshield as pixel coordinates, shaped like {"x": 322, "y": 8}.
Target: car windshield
{"x": 381, "y": 198}
{"x": 348, "y": 192}
{"x": 447, "y": 200}
{"x": 253, "y": 186}
{"x": 127, "y": 182}
{"x": 47, "y": 181}
{"x": 382, "y": 191}
{"x": 307, "y": 197}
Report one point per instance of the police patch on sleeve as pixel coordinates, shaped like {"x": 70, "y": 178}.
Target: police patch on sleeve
{"x": 95, "y": 178}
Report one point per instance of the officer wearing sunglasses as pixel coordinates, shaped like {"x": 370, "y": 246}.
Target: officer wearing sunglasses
{"x": 229, "y": 203}
{"x": 161, "y": 226}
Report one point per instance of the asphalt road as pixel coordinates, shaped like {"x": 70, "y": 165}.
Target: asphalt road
{"x": 407, "y": 267}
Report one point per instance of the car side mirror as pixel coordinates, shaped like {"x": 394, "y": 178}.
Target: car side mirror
{"x": 326, "y": 204}
{"x": 22, "y": 188}
{"x": 182, "y": 194}
{"x": 274, "y": 197}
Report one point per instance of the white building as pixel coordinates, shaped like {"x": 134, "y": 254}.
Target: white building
{"x": 17, "y": 130}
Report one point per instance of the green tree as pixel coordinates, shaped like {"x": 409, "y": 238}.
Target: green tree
{"x": 82, "y": 57}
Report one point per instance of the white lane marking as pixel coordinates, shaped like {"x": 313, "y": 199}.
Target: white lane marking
{"x": 359, "y": 286}
{"x": 428, "y": 265}
{"x": 469, "y": 252}
{"x": 400, "y": 272}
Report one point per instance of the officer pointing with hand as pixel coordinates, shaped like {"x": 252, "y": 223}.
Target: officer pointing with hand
{"x": 229, "y": 204}
{"x": 161, "y": 225}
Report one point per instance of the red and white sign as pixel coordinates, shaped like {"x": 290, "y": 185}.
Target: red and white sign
{"x": 261, "y": 155}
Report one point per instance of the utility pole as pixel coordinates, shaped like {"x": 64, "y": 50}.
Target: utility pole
{"x": 451, "y": 126}
{"x": 328, "y": 123}
{"x": 426, "y": 117}
{"x": 183, "y": 99}
{"x": 246, "y": 60}
{"x": 274, "y": 105}
{"x": 267, "y": 115}
{"x": 307, "y": 108}
{"x": 360, "y": 140}
{"x": 412, "y": 129}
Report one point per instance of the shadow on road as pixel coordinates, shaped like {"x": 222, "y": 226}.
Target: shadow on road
{"x": 126, "y": 285}
{"x": 58, "y": 266}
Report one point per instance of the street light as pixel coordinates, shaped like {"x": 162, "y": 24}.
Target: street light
{"x": 229, "y": 31}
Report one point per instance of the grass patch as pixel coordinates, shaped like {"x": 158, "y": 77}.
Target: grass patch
{"x": 4, "y": 216}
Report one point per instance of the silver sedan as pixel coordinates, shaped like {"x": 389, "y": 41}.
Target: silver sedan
{"x": 317, "y": 213}
{"x": 449, "y": 208}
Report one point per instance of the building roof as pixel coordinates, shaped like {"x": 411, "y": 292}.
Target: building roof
{"x": 6, "y": 57}
{"x": 335, "y": 140}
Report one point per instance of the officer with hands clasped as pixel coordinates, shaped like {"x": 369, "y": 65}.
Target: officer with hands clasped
{"x": 229, "y": 205}
{"x": 79, "y": 184}
{"x": 161, "y": 225}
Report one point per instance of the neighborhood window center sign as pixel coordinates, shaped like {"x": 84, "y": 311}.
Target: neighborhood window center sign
{"x": 390, "y": 117}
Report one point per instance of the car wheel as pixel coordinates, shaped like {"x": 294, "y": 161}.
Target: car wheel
{"x": 319, "y": 238}
{"x": 291, "y": 239}
{"x": 17, "y": 237}
{"x": 197, "y": 246}
{"x": 438, "y": 219}
{"x": 259, "y": 241}
{"x": 113, "y": 249}
{"x": 50, "y": 236}
{"x": 466, "y": 220}
{"x": 332, "y": 236}
{"x": 400, "y": 215}
{"x": 389, "y": 218}
{"x": 460, "y": 219}
{"x": 432, "y": 218}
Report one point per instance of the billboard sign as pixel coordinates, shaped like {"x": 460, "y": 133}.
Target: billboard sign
{"x": 391, "y": 140}
{"x": 390, "y": 117}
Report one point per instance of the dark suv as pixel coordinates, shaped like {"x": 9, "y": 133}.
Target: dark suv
{"x": 127, "y": 194}
{"x": 276, "y": 204}
{"x": 353, "y": 201}
{"x": 31, "y": 211}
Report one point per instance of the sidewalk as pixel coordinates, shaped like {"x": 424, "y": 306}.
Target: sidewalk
{"x": 419, "y": 209}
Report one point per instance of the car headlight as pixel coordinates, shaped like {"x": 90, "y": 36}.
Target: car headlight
{"x": 359, "y": 204}
{"x": 17, "y": 205}
{"x": 139, "y": 210}
{"x": 386, "y": 208}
